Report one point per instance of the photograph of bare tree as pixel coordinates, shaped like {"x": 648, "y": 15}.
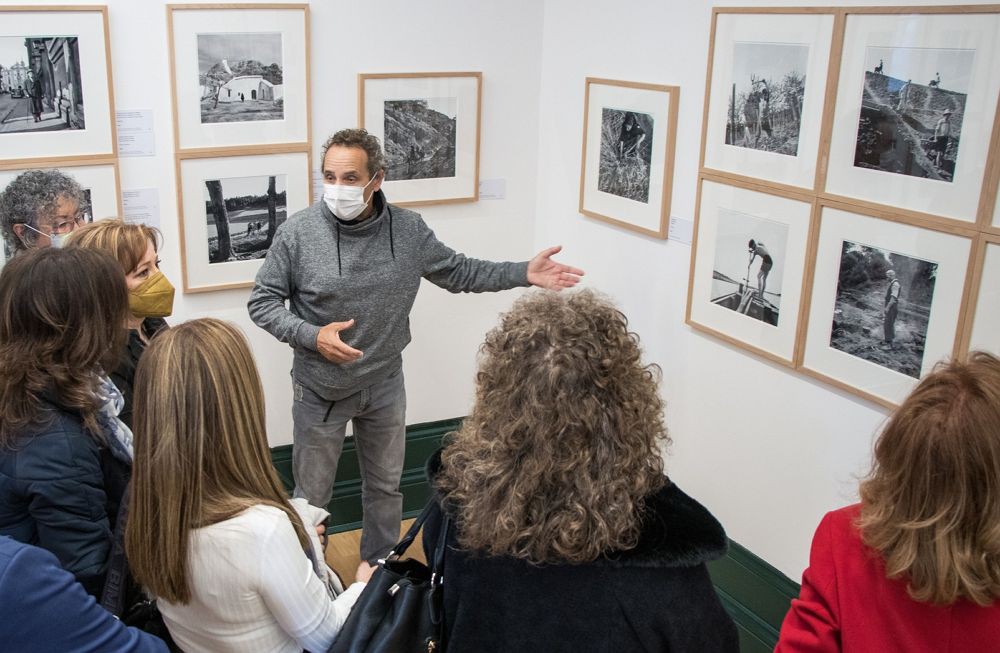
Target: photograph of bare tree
{"x": 242, "y": 216}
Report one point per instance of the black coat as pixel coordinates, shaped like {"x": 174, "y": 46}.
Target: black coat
{"x": 124, "y": 376}
{"x": 53, "y": 494}
{"x": 655, "y": 597}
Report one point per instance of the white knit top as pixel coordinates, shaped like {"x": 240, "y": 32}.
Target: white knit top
{"x": 254, "y": 590}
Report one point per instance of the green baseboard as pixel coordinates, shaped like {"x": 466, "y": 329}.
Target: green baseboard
{"x": 422, "y": 440}
{"x": 754, "y": 593}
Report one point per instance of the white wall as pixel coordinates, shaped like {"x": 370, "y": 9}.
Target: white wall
{"x": 502, "y": 40}
{"x": 766, "y": 449}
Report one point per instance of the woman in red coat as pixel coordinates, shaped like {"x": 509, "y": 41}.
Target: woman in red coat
{"x": 916, "y": 565}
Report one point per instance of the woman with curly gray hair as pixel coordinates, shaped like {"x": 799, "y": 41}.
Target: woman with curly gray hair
{"x": 567, "y": 534}
{"x": 39, "y": 208}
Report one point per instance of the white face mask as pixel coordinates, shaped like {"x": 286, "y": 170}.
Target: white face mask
{"x": 346, "y": 202}
{"x": 55, "y": 240}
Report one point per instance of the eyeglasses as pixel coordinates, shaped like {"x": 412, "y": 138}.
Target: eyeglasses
{"x": 64, "y": 224}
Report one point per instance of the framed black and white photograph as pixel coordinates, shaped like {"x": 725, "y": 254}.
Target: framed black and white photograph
{"x": 916, "y": 100}
{"x": 242, "y": 215}
{"x": 766, "y": 91}
{"x": 429, "y": 126}
{"x": 983, "y": 319}
{"x": 748, "y": 266}
{"x": 239, "y": 75}
{"x": 231, "y": 208}
{"x": 101, "y": 191}
{"x": 886, "y": 302}
{"x": 629, "y": 136}
{"x": 55, "y": 92}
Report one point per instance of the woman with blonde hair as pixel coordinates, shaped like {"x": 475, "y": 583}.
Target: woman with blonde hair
{"x": 567, "y": 534}
{"x": 150, "y": 293}
{"x": 234, "y": 564}
{"x": 916, "y": 565}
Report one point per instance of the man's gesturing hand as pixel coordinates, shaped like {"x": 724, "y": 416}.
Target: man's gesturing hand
{"x": 334, "y": 349}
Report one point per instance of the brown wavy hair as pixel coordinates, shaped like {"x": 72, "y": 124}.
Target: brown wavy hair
{"x": 61, "y": 322}
{"x": 201, "y": 453}
{"x": 931, "y": 504}
{"x": 125, "y": 241}
{"x": 564, "y": 441}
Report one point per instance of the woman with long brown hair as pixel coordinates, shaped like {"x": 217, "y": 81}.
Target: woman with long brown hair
{"x": 212, "y": 534}
{"x": 150, "y": 293}
{"x": 61, "y": 317}
{"x": 915, "y": 566}
{"x": 567, "y": 534}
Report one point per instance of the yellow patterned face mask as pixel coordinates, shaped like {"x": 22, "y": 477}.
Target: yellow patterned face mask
{"x": 154, "y": 297}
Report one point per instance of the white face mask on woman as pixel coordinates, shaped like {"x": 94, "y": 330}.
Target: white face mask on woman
{"x": 346, "y": 202}
{"x": 55, "y": 240}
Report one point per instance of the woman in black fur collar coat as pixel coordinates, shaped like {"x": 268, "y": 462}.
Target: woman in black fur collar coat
{"x": 566, "y": 535}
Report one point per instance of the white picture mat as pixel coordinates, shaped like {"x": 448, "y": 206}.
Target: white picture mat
{"x": 95, "y": 137}
{"x": 198, "y": 271}
{"x": 778, "y": 340}
{"x": 986, "y": 323}
{"x": 957, "y": 199}
{"x": 466, "y": 91}
{"x": 188, "y": 24}
{"x": 814, "y": 31}
{"x": 950, "y": 252}
{"x": 657, "y": 105}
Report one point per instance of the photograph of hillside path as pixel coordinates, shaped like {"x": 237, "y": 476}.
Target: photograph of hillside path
{"x": 912, "y": 110}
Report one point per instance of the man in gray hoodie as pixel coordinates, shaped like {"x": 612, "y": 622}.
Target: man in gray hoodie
{"x": 349, "y": 268}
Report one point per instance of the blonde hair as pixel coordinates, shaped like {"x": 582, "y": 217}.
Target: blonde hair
{"x": 563, "y": 443}
{"x": 931, "y": 504}
{"x": 201, "y": 453}
{"x": 126, "y": 242}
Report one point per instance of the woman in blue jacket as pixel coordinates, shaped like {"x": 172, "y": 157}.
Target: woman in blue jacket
{"x": 61, "y": 317}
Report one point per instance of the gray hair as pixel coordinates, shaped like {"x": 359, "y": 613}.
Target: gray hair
{"x": 359, "y": 138}
{"x": 34, "y": 194}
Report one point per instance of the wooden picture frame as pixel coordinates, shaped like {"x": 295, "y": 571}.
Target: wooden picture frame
{"x": 981, "y": 329}
{"x": 243, "y": 184}
{"x": 882, "y": 149}
{"x": 766, "y": 93}
{"x": 729, "y": 216}
{"x": 627, "y": 164}
{"x": 64, "y": 109}
{"x": 850, "y": 338}
{"x": 437, "y": 161}
{"x": 239, "y": 77}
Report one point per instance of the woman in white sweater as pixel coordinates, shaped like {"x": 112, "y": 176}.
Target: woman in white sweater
{"x": 234, "y": 564}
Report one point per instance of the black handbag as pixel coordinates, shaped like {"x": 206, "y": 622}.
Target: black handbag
{"x": 400, "y": 610}
{"x": 121, "y": 596}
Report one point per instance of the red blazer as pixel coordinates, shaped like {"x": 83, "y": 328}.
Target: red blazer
{"x": 847, "y": 604}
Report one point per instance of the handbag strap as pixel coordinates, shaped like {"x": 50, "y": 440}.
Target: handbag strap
{"x": 411, "y": 534}
{"x": 113, "y": 595}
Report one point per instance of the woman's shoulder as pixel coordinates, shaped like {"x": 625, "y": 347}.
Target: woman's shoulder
{"x": 257, "y": 523}
{"x": 677, "y": 531}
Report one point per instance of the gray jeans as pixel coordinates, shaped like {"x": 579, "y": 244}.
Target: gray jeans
{"x": 378, "y": 413}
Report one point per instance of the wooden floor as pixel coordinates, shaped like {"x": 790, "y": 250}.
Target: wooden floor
{"x": 343, "y": 551}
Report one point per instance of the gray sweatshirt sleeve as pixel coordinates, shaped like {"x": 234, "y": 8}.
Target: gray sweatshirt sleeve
{"x": 456, "y": 272}
{"x": 272, "y": 288}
